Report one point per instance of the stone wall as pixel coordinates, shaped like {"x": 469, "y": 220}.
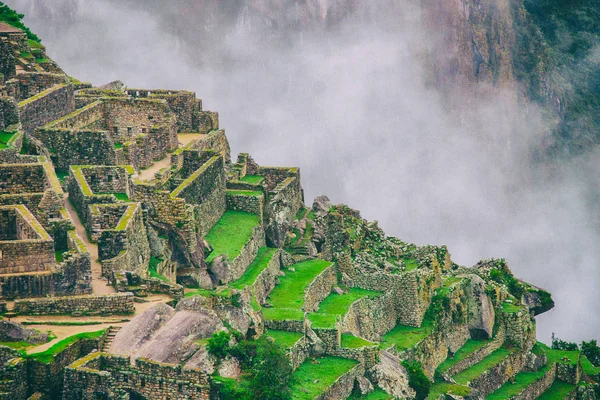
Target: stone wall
{"x": 478, "y": 355}
{"x": 29, "y": 84}
{"x": 206, "y": 190}
{"x": 13, "y": 375}
{"x": 342, "y": 387}
{"x": 371, "y": 318}
{"x": 101, "y": 375}
{"x": 25, "y": 246}
{"x": 266, "y": 280}
{"x": 107, "y": 179}
{"x": 520, "y": 329}
{"x": 535, "y": 389}
{"x": 125, "y": 247}
{"x": 298, "y": 353}
{"x": 570, "y": 373}
{"x": 412, "y": 290}
{"x": 368, "y": 356}
{"x": 319, "y": 289}
{"x": 493, "y": 378}
{"x": 215, "y": 140}
{"x": 110, "y": 304}
{"x": 182, "y": 103}
{"x": 226, "y": 270}
{"x": 46, "y": 106}
{"x": 282, "y": 204}
{"x": 47, "y": 378}
{"x": 72, "y": 277}
{"x": 22, "y": 178}
{"x": 249, "y": 203}
{"x": 9, "y": 113}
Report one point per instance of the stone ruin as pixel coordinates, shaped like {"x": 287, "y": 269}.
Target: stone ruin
{"x": 112, "y": 195}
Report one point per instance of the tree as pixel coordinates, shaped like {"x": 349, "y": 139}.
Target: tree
{"x": 218, "y": 344}
{"x": 417, "y": 379}
{"x": 591, "y": 351}
{"x": 558, "y": 344}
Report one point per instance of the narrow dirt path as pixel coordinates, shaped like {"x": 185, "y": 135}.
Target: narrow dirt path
{"x": 99, "y": 284}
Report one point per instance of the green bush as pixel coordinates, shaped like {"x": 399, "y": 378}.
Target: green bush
{"x": 218, "y": 344}
{"x": 591, "y": 351}
{"x": 558, "y": 344}
{"x": 417, "y": 379}
{"x": 11, "y": 17}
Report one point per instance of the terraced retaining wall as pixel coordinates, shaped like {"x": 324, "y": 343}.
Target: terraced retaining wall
{"x": 370, "y": 318}
{"x": 112, "y": 376}
{"x": 368, "y": 356}
{"x": 319, "y": 289}
{"x": 266, "y": 280}
{"x": 110, "y": 304}
{"x": 342, "y": 387}
{"x": 298, "y": 353}
{"x": 248, "y": 203}
{"x": 477, "y": 355}
{"x": 535, "y": 390}
{"x": 570, "y": 373}
{"x": 492, "y": 379}
{"x": 46, "y": 106}
{"x": 230, "y": 270}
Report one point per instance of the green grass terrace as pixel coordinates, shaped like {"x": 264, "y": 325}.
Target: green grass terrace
{"x": 287, "y": 298}
{"x": 264, "y": 256}
{"x": 405, "y": 337}
{"x": 487, "y": 363}
{"x": 336, "y": 305}
{"x": 437, "y": 389}
{"x": 313, "y": 378}
{"x": 558, "y": 391}
{"x": 522, "y": 380}
{"x": 5, "y": 138}
{"x": 470, "y": 347}
{"x": 253, "y": 179}
{"x": 231, "y": 233}
{"x": 283, "y": 338}
{"x": 354, "y": 342}
{"x": 377, "y": 394}
{"x": 252, "y": 193}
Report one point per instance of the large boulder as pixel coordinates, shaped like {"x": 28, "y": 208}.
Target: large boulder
{"x": 480, "y": 308}
{"x": 392, "y": 377}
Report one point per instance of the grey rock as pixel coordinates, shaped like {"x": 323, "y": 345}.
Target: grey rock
{"x": 392, "y": 377}
{"x": 15, "y": 332}
{"x": 480, "y": 308}
{"x": 321, "y": 205}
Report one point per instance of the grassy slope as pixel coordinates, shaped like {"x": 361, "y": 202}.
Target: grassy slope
{"x": 469, "y": 348}
{"x": 47, "y": 356}
{"x": 354, "y": 342}
{"x": 377, "y": 394}
{"x": 489, "y": 362}
{"x": 231, "y": 233}
{"x": 311, "y": 379}
{"x": 405, "y": 337}
{"x": 252, "y": 179}
{"x": 558, "y": 391}
{"x": 336, "y": 304}
{"x": 283, "y": 338}
{"x": 522, "y": 380}
{"x": 287, "y": 298}
{"x": 438, "y": 389}
{"x": 255, "y": 268}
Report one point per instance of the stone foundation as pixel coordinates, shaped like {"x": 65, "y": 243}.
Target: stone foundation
{"x": 110, "y": 304}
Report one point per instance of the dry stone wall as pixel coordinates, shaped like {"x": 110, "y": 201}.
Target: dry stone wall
{"x": 100, "y": 375}
{"x": 266, "y": 280}
{"x": 110, "y": 304}
{"x": 319, "y": 289}
{"x": 371, "y": 318}
{"x": 46, "y": 106}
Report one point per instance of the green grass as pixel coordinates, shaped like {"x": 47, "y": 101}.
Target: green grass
{"x": 354, "y": 342}
{"x": 5, "y": 138}
{"x": 559, "y": 356}
{"x": 58, "y": 254}
{"x": 121, "y": 196}
{"x": 336, "y": 304}
{"x": 283, "y": 338}
{"x": 438, "y": 389}
{"x": 231, "y": 233}
{"x": 287, "y": 298}
{"x": 511, "y": 308}
{"x": 377, "y": 394}
{"x": 42, "y": 60}
{"x": 209, "y": 293}
{"x": 588, "y": 367}
{"x": 312, "y": 379}
{"x": 558, "y": 391}
{"x": 34, "y": 45}
{"x": 487, "y": 363}
{"x": 469, "y": 348}
{"x": 522, "y": 380}
{"x": 153, "y": 271}
{"x": 253, "y": 193}
{"x": 257, "y": 266}
{"x": 17, "y": 345}
{"x": 411, "y": 264}
{"x": 48, "y": 355}
{"x": 253, "y": 179}
{"x": 118, "y": 145}
{"x": 405, "y": 337}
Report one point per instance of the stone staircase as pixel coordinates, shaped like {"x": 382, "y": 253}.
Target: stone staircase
{"x": 110, "y": 336}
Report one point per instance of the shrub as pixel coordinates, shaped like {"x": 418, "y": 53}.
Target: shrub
{"x": 417, "y": 379}
{"x": 558, "y": 344}
{"x": 592, "y": 351}
{"x": 11, "y": 17}
{"x": 218, "y": 344}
